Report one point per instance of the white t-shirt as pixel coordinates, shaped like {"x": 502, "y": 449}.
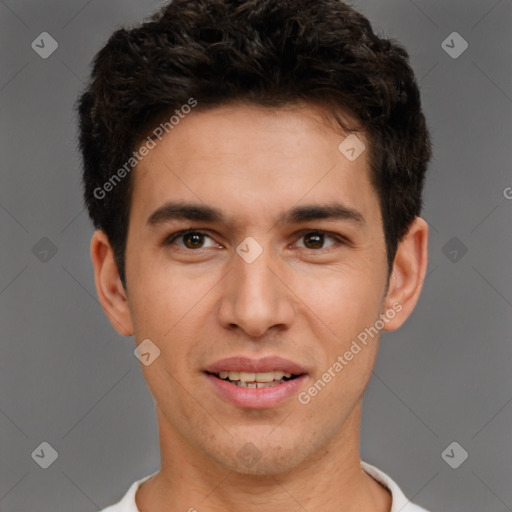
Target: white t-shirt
{"x": 399, "y": 504}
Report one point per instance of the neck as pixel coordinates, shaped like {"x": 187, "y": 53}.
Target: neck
{"x": 330, "y": 480}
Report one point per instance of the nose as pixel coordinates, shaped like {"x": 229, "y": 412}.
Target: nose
{"x": 255, "y": 297}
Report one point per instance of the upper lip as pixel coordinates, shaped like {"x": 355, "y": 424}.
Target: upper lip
{"x": 264, "y": 364}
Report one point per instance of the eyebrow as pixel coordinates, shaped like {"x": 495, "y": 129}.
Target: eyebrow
{"x": 332, "y": 211}
{"x": 198, "y": 212}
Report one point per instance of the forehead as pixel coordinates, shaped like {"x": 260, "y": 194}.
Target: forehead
{"x": 254, "y": 160}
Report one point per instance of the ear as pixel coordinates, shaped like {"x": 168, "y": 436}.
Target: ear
{"x": 408, "y": 274}
{"x": 111, "y": 292}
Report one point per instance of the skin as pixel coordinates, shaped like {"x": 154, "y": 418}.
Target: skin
{"x": 300, "y": 300}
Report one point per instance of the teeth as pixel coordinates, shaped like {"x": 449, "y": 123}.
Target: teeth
{"x": 257, "y": 384}
{"x": 245, "y": 377}
{"x": 262, "y": 377}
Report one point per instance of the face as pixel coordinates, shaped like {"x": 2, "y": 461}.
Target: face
{"x": 254, "y": 246}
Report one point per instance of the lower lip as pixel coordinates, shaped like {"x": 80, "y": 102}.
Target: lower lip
{"x": 256, "y": 398}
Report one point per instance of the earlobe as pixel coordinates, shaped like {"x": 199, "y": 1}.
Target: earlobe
{"x": 409, "y": 268}
{"x": 111, "y": 292}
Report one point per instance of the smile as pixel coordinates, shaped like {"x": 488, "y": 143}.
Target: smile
{"x": 255, "y": 380}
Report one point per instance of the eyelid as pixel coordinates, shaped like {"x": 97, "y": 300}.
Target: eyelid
{"x": 168, "y": 240}
{"x": 339, "y": 239}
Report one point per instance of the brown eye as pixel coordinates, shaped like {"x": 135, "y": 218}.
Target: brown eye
{"x": 193, "y": 240}
{"x": 314, "y": 240}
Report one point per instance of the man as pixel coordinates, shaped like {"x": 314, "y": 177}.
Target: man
{"x": 254, "y": 171}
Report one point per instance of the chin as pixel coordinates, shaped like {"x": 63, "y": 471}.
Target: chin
{"x": 258, "y": 459}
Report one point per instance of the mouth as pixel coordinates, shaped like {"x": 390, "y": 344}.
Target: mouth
{"x": 250, "y": 383}
{"x": 255, "y": 379}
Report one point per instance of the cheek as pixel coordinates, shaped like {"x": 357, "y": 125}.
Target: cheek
{"x": 162, "y": 294}
{"x": 346, "y": 299}
{"x": 170, "y": 306}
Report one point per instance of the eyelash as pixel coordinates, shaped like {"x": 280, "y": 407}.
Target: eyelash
{"x": 337, "y": 238}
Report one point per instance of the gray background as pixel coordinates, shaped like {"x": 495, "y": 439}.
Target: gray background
{"x": 67, "y": 378}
